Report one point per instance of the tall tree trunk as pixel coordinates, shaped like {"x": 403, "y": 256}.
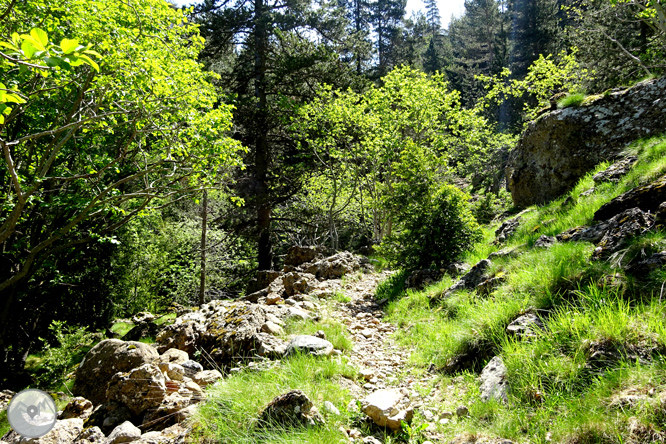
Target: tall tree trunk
{"x": 265, "y": 256}
{"x": 204, "y": 224}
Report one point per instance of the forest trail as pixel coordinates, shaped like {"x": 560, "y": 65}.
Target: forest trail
{"x": 382, "y": 362}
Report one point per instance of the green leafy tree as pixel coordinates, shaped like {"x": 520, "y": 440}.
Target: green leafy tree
{"x": 93, "y": 135}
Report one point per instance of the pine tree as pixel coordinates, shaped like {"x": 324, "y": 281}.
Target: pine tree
{"x": 387, "y": 18}
{"x": 432, "y": 17}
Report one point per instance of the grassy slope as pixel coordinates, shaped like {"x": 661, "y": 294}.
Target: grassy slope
{"x": 557, "y": 394}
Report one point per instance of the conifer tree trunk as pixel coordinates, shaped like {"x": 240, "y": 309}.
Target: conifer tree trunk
{"x": 264, "y": 247}
{"x": 204, "y": 223}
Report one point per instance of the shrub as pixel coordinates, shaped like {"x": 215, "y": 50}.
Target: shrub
{"x": 433, "y": 229}
{"x": 58, "y": 360}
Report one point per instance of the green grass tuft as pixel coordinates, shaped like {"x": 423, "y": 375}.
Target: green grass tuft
{"x": 571, "y": 100}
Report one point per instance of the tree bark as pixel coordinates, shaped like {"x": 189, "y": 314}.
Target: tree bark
{"x": 264, "y": 248}
{"x": 204, "y": 223}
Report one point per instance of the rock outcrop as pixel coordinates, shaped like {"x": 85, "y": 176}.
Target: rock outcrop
{"x": 493, "y": 381}
{"x": 105, "y": 360}
{"x": 559, "y": 148}
{"x": 648, "y": 198}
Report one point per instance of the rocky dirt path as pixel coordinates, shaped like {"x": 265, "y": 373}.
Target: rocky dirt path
{"x": 382, "y": 362}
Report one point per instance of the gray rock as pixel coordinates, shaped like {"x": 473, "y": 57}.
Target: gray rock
{"x": 493, "y": 381}
{"x": 647, "y": 197}
{"x": 615, "y": 172}
{"x": 191, "y": 368}
{"x": 310, "y": 345}
{"x": 142, "y": 317}
{"x": 591, "y": 234}
{"x": 90, "y": 436}
{"x": 419, "y": 279}
{"x": 125, "y": 432}
{"x": 272, "y": 328}
{"x": 487, "y": 286}
{"x": 388, "y": 407}
{"x": 291, "y": 409}
{"x": 545, "y": 241}
{"x": 472, "y": 279}
{"x": 298, "y": 283}
{"x": 331, "y": 408}
{"x": 297, "y": 313}
{"x": 462, "y": 411}
{"x": 644, "y": 267}
{"x": 78, "y": 407}
{"x": 560, "y": 147}
{"x": 207, "y": 377}
{"x": 507, "y": 229}
{"x": 336, "y": 266}
{"x": 621, "y": 228}
{"x": 524, "y": 326}
{"x": 105, "y": 360}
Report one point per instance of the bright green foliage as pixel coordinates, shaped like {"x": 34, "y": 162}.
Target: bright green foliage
{"x": 434, "y": 230}
{"x": 546, "y": 77}
{"x": 394, "y": 144}
{"x": 99, "y": 137}
{"x": 58, "y": 360}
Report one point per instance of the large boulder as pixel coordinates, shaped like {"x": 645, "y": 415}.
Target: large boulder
{"x": 300, "y": 255}
{"x": 225, "y": 330}
{"x": 336, "y": 266}
{"x": 64, "y": 431}
{"x": 125, "y": 432}
{"x": 648, "y": 198}
{"x": 140, "y": 389}
{"x": 557, "y": 149}
{"x": 105, "y": 360}
{"x": 472, "y": 279}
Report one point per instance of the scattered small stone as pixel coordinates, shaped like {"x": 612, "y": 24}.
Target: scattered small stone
{"x": 309, "y": 344}
{"x": 446, "y": 415}
{"x": 272, "y": 328}
{"x": 331, "y": 408}
{"x": 444, "y": 421}
{"x": 320, "y": 334}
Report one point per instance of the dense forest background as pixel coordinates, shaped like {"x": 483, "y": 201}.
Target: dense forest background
{"x": 154, "y": 155}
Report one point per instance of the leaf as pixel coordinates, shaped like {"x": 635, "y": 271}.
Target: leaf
{"x": 28, "y": 49}
{"x": 40, "y": 35}
{"x": 68, "y": 46}
{"x": 90, "y": 62}
{"x": 91, "y": 52}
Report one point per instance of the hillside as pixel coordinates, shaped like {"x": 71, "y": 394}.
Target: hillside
{"x": 562, "y": 341}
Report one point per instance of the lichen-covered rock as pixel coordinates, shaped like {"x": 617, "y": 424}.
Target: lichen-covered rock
{"x": 336, "y": 266}
{"x": 92, "y": 435}
{"x": 291, "y": 409}
{"x": 647, "y": 197}
{"x": 388, "y": 407}
{"x": 207, "y": 377}
{"x": 472, "y": 279}
{"x": 182, "y": 336}
{"x": 493, "y": 381}
{"x": 78, "y": 407}
{"x": 560, "y": 147}
{"x": 174, "y": 356}
{"x": 486, "y": 287}
{"x": 545, "y": 241}
{"x": 507, "y": 229}
{"x": 298, "y": 283}
{"x": 419, "y": 279}
{"x": 166, "y": 413}
{"x": 525, "y": 325}
{"x": 644, "y": 267}
{"x": 591, "y": 234}
{"x": 125, "y": 432}
{"x": 105, "y": 360}
{"x": 616, "y": 171}
{"x": 299, "y": 255}
{"x": 139, "y": 390}
{"x": 624, "y": 226}
{"x": 309, "y": 345}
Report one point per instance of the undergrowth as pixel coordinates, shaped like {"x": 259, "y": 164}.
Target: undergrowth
{"x": 595, "y": 373}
